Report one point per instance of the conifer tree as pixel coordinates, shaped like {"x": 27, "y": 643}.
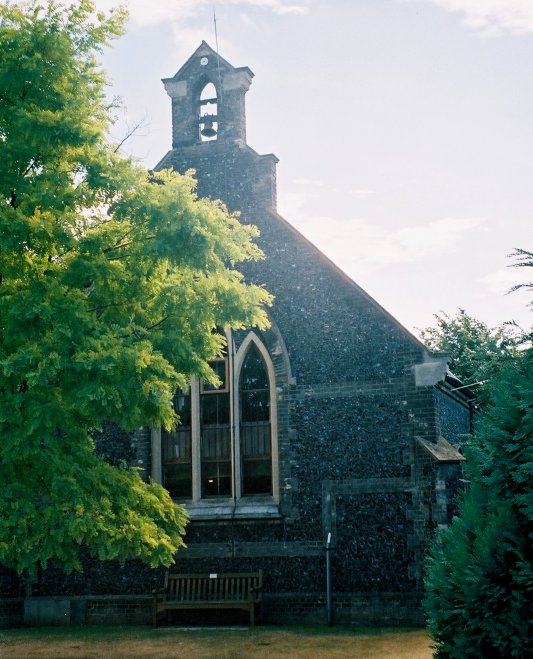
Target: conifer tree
{"x": 479, "y": 582}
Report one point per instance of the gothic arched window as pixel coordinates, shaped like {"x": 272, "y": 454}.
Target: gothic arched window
{"x": 225, "y": 450}
{"x": 254, "y": 430}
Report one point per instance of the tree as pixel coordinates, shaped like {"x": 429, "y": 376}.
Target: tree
{"x": 523, "y": 259}
{"x": 477, "y": 352}
{"x": 112, "y": 281}
{"x": 479, "y": 582}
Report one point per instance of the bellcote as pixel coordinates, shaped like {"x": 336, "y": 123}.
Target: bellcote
{"x": 209, "y": 134}
{"x": 208, "y": 102}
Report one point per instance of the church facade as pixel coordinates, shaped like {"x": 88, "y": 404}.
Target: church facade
{"x": 335, "y": 430}
{"x": 336, "y": 423}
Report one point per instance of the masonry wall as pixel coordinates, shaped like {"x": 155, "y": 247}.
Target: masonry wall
{"x": 455, "y": 417}
{"x": 349, "y": 413}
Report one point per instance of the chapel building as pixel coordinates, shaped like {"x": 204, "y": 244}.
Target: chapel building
{"x": 335, "y": 423}
{"x": 335, "y": 427}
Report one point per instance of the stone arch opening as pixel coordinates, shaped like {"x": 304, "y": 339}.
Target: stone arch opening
{"x": 208, "y": 113}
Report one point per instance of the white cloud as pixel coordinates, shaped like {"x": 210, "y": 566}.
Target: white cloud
{"x": 357, "y": 243}
{"x": 315, "y": 183}
{"x": 144, "y": 13}
{"x": 291, "y": 204}
{"x": 362, "y": 193}
{"x": 277, "y": 6}
{"x": 359, "y": 246}
{"x": 491, "y": 17}
{"x": 499, "y": 282}
{"x": 312, "y": 184}
{"x": 246, "y": 20}
{"x": 187, "y": 39}
{"x": 438, "y": 235}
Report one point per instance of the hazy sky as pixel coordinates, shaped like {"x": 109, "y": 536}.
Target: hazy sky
{"x": 404, "y": 130}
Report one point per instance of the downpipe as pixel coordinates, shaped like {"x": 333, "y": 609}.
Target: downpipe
{"x": 329, "y": 602}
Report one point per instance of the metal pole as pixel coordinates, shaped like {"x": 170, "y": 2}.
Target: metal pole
{"x": 329, "y": 606}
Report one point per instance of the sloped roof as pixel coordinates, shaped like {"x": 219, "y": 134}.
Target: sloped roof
{"x": 442, "y": 451}
{"x": 205, "y": 49}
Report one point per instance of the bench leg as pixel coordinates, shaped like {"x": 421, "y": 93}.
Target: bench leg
{"x": 252, "y": 615}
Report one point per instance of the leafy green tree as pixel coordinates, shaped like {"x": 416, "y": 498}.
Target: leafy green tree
{"x": 479, "y": 582}
{"x": 477, "y": 352}
{"x": 111, "y": 284}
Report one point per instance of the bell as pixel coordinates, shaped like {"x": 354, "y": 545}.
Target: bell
{"x": 208, "y": 130}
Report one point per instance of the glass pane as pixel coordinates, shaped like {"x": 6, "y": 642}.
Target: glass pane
{"x": 216, "y": 478}
{"x": 216, "y": 442}
{"x": 256, "y": 476}
{"x": 182, "y": 407}
{"x": 177, "y": 465}
{"x": 255, "y": 405}
{"x": 254, "y": 374}
{"x": 215, "y": 445}
{"x": 177, "y": 478}
{"x": 255, "y": 440}
{"x": 220, "y": 370}
{"x": 214, "y": 409}
{"x": 255, "y": 394}
{"x": 177, "y": 446}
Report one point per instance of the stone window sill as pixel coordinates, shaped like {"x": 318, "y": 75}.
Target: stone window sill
{"x": 227, "y": 510}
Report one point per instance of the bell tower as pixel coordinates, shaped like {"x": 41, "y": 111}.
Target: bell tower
{"x": 208, "y": 100}
{"x": 209, "y": 134}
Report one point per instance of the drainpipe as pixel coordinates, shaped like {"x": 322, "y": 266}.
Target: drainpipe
{"x": 329, "y": 606}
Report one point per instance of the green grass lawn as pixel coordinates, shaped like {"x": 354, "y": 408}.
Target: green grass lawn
{"x": 259, "y": 643}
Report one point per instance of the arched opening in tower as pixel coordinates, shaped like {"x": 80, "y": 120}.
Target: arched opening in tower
{"x": 207, "y": 114}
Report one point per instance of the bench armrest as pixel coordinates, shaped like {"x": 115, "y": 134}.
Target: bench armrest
{"x": 254, "y": 594}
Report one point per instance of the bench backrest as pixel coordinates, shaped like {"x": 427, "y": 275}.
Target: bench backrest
{"x": 214, "y": 587}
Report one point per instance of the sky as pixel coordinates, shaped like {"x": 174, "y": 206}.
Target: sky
{"x": 404, "y": 130}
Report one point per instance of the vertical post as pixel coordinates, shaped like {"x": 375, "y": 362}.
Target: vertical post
{"x": 236, "y": 486}
{"x": 196, "y": 440}
{"x": 329, "y": 606}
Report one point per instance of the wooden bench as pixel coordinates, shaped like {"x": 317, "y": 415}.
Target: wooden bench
{"x": 209, "y": 591}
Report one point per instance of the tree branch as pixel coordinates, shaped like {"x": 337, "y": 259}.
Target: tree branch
{"x": 131, "y": 131}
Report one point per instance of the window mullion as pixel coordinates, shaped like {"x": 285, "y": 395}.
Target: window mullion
{"x": 195, "y": 439}
{"x": 235, "y": 444}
